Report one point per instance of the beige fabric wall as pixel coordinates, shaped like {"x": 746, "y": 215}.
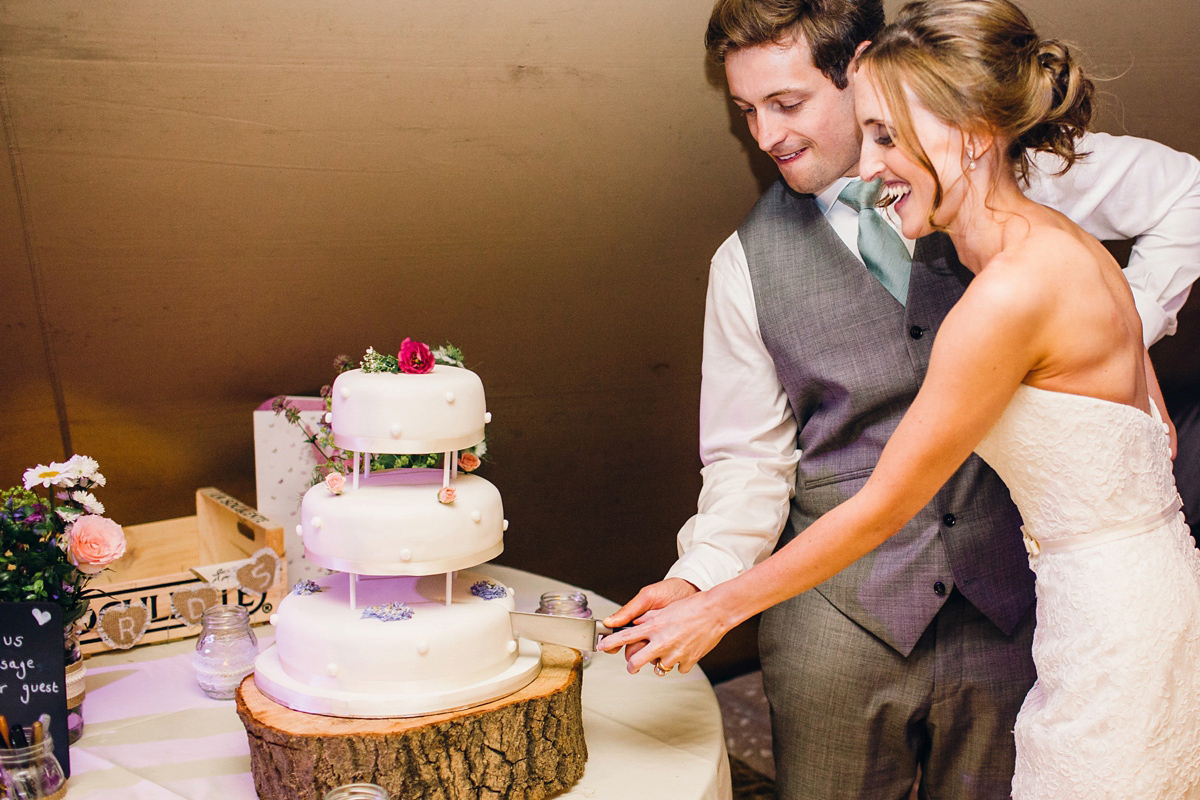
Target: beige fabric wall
{"x": 201, "y": 204}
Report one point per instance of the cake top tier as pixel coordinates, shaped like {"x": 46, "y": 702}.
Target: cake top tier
{"x": 383, "y": 412}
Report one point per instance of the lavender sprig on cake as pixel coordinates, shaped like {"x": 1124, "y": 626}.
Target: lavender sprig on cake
{"x": 306, "y": 587}
{"x": 388, "y": 612}
{"x": 488, "y": 590}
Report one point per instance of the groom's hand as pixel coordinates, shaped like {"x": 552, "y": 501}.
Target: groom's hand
{"x": 656, "y": 595}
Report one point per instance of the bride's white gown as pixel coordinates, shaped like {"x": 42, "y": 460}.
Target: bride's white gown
{"x": 1115, "y": 712}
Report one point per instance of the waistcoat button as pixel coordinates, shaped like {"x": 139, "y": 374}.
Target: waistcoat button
{"x": 949, "y": 519}
{"x": 939, "y": 589}
{"x": 916, "y": 331}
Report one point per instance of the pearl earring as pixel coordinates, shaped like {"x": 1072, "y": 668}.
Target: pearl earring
{"x": 971, "y": 155}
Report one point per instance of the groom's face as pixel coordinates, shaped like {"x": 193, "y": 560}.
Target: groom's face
{"x": 795, "y": 113}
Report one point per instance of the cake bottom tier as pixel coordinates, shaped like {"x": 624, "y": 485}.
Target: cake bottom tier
{"x": 334, "y": 658}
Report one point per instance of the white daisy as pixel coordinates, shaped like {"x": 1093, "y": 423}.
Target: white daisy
{"x": 85, "y": 467}
{"x": 89, "y": 502}
{"x": 54, "y": 475}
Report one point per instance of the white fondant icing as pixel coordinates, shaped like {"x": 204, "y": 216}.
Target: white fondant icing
{"x": 367, "y": 403}
{"x": 332, "y": 670}
{"x": 396, "y": 430}
{"x": 422, "y": 647}
{"x": 512, "y": 646}
{"x": 449, "y": 397}
{"x": 476, "y": 515}
{"x": 504, "y": 525}
{"x": 273, "y": 619}
{"x": 468, "y": 638}
{"x": 368, "y": 529}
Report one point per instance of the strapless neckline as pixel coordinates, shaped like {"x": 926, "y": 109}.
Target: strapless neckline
{"x": 1152, "y": 417}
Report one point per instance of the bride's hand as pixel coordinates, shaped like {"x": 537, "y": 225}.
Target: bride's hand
{"x": 674, "y": 636}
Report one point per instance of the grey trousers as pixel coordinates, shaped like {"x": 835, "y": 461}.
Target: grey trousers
{"x": 853, "y": 718}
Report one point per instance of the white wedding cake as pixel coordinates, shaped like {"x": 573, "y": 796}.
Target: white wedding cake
{"x": 398, "y": 629}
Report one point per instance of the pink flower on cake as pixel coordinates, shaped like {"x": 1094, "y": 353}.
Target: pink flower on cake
{"x": 468, "y": 462}
{"x": 447, "y": 495}
{"x": 415, "y": 357}
{"x": 335, "y": 482}
{"x": 94, "y": 542}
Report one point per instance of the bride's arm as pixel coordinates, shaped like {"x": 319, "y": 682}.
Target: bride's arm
{"x": 987, "y": 345}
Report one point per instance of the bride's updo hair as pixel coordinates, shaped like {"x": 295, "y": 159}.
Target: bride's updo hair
{"x": 979, "y": 66}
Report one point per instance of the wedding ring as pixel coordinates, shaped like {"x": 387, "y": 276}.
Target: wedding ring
{"x": 659, "y": 670}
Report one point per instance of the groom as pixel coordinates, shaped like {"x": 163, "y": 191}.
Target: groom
{"x": 919, "y": 653}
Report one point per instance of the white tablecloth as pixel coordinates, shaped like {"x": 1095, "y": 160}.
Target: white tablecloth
{"x": 151, "y": 734}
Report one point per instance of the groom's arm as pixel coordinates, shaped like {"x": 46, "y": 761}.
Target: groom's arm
{"x": 747, "y": 446}
{"x": 1131, "y": 188}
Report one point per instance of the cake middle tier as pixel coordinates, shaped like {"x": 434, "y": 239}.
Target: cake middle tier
{"x": 394, "y": 524}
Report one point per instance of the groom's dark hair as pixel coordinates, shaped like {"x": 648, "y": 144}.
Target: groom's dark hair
{"x": 833, "y": 29}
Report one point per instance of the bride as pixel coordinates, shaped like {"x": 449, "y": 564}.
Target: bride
{"x": 1040, "y": 369}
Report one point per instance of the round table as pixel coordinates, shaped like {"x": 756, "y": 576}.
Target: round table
{"x": 151, "y": 734}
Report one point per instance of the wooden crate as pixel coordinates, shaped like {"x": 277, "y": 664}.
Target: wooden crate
{"x": 164, "y": 562}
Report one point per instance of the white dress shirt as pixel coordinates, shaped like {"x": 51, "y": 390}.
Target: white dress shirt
{"x": 1126, "y": 188}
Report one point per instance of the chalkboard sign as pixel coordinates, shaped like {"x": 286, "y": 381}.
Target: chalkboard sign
{"x": 32, "y": 671}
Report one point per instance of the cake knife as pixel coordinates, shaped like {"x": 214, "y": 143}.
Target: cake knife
{"x": 582, "y": 633}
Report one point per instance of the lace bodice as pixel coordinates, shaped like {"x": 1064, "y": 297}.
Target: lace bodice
{"x": 1118, "y": 613}
{"x": 1078, "y": 464}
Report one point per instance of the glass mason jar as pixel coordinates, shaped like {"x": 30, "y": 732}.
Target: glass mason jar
{"x": 32, "y": 773}
{"x": 76, "y": 682}
{"x": 225, "y": 651}
{"x": 567, "y": 604}
{"x": 358, "y": 791}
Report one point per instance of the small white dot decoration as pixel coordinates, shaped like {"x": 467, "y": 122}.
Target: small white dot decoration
{"x": 449, "y": 397}
{"x": 274, "y": 619}
{"x": 476, "y": 515}
{"x": 299, "y": 530}
{"x": 406, "y": 554}
{"x": 422, "y": 647}
{"x": 504, "y": 527}
{"x": 396, "y": 430}
{"x": 345, "y": 392}
{"x": 328, "y": 417}
{"x": 512, "y": 646}
{"x": 331, "y": 669}
{"x": 317, "y": 522}
{"x": 487, "y": 417}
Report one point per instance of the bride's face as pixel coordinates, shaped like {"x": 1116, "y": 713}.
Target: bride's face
{"x": 904, "y": 177}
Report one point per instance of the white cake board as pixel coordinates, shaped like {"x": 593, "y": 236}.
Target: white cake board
{"x": 276, "y": 684}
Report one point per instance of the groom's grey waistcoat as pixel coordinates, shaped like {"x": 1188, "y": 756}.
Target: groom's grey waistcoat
{"x": 851, "y": 359}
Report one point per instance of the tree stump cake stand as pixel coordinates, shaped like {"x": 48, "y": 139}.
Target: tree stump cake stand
{"x": 525, "y": 746}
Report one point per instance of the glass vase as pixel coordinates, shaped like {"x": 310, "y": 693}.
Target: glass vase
{"x": 76, "y": 682}
{"x": 225, "y": 651}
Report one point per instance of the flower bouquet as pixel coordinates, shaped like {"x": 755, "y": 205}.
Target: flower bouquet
{"x": 333, "y": 463}
{"x": 52, "y": 545}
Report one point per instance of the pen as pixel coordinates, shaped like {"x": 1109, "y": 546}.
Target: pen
{"x": 4, "y": 731}
{"x": 19, "y": 741}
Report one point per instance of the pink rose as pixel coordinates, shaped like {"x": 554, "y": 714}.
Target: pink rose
{"x": 335, "y": 482}
{"x": 94, "y": 542}
{"x": 468, "y": 462}
{"x": 447, "y": 494}
{"x": 415, "y": 357}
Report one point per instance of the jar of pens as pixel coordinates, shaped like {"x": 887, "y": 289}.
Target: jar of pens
{"x": 28, "y": 768}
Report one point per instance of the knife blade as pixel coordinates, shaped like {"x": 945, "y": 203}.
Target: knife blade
{"x": 579, "y": 632}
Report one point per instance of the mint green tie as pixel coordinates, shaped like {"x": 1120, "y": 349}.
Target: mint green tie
{"x": 881, "y": 248}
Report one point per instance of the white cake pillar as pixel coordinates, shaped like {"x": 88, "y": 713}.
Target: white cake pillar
{"x": 449, "y": 586}
{"x": 446, "y": 470}
{"x": 356, "y": 459}
{"x": 353, "y": 592}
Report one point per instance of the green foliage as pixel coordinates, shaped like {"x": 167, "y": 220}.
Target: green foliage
{"x": 34, "y": 566}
